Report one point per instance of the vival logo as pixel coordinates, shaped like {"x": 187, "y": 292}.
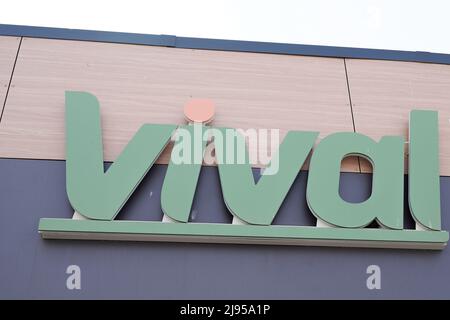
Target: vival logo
{"x": 99, "y": 196}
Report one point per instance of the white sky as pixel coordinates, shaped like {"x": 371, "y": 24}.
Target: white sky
{"x": 396, "y": 24}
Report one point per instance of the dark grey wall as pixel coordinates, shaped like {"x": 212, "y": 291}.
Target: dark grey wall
{"x": 34, "y": 268}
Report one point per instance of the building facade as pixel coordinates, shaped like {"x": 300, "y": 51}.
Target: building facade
{"x": 140, "y": 79}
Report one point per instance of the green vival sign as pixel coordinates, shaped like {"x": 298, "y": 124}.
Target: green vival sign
{"x": 99, "y": 196}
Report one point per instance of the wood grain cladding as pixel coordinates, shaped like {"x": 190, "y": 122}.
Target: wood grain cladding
{"x": 384, "y": 92}
{"x": 8, "y": 51}
{"x": 143, "y": 84}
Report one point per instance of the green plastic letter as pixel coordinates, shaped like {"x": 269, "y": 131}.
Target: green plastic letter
{"x": 258, "y": 203}
{"x": 181, "y": 178}
{"x": 92, "y": 192}
{"x": 424, "y": 189}
{"x": 386, "y": 202}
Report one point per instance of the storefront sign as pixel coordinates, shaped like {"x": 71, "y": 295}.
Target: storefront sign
{"x": 99, "y": 196}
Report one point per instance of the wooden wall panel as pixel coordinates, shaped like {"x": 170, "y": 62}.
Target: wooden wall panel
{"x": 142, "y": 84}
{"x": 8, "y": 51}
{"x": 384, "y": 92}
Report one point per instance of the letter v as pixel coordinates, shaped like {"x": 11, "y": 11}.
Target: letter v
{"x": 92, "y": 192}
{"x": 258, "y": 203}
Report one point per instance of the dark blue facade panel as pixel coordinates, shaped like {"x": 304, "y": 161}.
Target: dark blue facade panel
{"x": 220, "y": 44}
{"x": 35, "y": 268}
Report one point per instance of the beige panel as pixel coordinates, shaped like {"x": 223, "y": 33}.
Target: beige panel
{"x": 8, "y": 51}
{"x": 142, "y": 84}
{"x": 384, "y": 92}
